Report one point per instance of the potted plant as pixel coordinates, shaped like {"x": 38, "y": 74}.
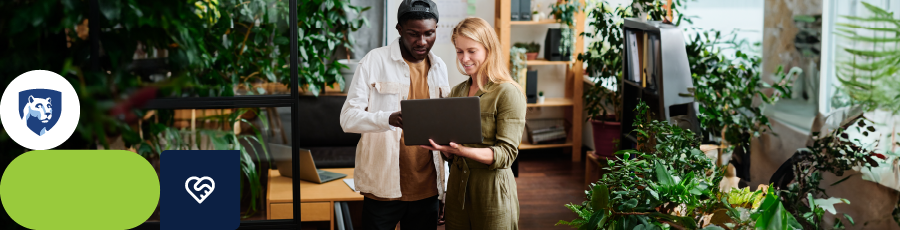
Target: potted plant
{"x": 725, "y": 88}
{"x": 602, "y": 100}
{"x": 537, "y": 15}
{"x": 540, "y": 99}
{"x": 531, "y": 49}
{"x": 668, "y": 183}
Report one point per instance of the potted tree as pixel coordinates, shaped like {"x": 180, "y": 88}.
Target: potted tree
{"x": 602, "y": 100}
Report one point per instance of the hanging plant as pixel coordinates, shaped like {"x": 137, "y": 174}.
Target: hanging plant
{"x": 564, "y": 11}
{"x": 517, "y": 62}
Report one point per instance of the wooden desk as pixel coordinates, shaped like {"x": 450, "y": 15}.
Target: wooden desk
{"x": 316, "y": 200}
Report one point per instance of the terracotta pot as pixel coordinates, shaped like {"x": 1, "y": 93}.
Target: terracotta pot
{"x": 605, "y": 132}
{"x": 530, "y": 56}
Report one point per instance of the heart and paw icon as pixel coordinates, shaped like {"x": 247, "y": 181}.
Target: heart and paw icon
{"x": 200, "y": 191}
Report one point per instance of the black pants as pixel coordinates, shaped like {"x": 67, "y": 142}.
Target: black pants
{"x": 412, "y": 215}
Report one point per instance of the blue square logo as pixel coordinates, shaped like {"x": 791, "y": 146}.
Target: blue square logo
{"x": 200, "y": 189}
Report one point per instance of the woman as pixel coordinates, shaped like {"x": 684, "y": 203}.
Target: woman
{"x": 481, "y": 193}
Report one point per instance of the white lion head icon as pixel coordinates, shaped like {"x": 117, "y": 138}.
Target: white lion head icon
{"x": 39, "y": 108}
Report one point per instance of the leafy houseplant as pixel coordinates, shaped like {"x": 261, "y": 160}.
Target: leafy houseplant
{"x": 668, "y": 183}
{"x": 531, "y": 49}
{"x": 725, "y": 88}
{"x": 831, "y": 152}
{"x": 325, "y": 25}
{"x": 604, "y": 67}
{"x": 564, "y": 11}
{"x": 208, "y": 49}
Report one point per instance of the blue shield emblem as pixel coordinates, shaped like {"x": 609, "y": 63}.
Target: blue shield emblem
{"x": 40, "y": 109}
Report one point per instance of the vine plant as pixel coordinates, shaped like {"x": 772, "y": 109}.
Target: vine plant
{"x": 565, "y": 11}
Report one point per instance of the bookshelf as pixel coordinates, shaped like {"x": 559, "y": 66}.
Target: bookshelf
{"x": 655, "y": 72}
{"x": 574, "y": 81}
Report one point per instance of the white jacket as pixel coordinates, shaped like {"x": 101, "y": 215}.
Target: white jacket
{"x": 381, "y": 81}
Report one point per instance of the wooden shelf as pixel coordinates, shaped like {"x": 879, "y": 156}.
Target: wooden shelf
{"x": 553, "y": 102}
{"x": 524, "y": 146}
{"x": 573, "y": 82}
{"x": 542, "y": 61}
{"x": 541, "y": 22}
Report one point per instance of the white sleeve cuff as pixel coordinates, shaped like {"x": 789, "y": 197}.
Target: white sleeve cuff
{"x": 386, "y": 117}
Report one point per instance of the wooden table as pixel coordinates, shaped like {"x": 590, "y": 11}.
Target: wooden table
{"x": 316, "y": 200}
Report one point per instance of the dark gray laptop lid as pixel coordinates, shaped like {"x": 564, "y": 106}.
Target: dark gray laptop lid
{"x": 444, "y": 120}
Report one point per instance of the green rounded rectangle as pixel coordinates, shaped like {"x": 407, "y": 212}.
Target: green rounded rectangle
{"x": 79, "y": 189}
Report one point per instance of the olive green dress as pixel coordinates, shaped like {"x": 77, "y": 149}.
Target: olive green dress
{"x": 481, "y": 196}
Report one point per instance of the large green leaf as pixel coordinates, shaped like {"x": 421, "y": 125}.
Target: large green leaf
{"x": 600, "y": 198}
{"x": 665, "y": 178}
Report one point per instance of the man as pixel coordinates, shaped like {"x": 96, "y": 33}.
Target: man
{"x": 400, "y": 183}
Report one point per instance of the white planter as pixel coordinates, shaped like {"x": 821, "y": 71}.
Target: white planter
{"x": 540, "y": 99}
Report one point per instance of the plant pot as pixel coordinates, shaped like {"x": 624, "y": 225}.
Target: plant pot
{"x": 605, "y": 133}
{"x": 540, "y": 99}
{"x": 531, "y": 56}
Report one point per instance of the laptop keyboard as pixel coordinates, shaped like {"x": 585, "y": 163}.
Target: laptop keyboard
{"x": 326, "y": 176}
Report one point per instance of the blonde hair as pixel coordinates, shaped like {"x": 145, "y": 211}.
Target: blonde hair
{"x": 493, "y": 67}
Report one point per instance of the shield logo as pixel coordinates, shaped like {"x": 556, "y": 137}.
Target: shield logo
{"x": 40, "y": 109}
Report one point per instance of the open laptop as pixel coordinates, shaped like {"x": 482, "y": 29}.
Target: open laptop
{"x": 308, "y": 172}
{"x": 443, "y": 120}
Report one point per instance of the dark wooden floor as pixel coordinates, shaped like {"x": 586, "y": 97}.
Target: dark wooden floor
{"x": 547, "y": 180}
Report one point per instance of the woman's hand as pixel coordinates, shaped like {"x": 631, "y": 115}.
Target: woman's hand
{"x": 447, "y": 150}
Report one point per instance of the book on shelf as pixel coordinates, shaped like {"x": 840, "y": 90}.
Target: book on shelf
{"x": 524, "y": 10}
{"x": 645, "y": 60}
{"x": 633, "y": 64}
{"x": 515, "y": 8}
{"x": 654, "y": 60}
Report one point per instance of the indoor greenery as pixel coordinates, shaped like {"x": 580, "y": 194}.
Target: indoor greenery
{"x": 203, "y": 48}
{"x": 834, "y": 152}
{"x": 564, "y": 11}
{"x": 604, "y": 56}
{"x": 517, "y": 62}
{"x": 604, "y": 61}
{"x": 530, "y": 47}
{"x": 725, "y": 87}
{"x": 869, "y": 67}
{"x": 325, "y": 25}
{"x": 668, "y": 183}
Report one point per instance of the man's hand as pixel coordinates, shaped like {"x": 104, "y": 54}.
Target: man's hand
{"x": 396, "y": 119}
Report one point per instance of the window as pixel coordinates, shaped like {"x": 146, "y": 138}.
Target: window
{"x": 832, "y": 45}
